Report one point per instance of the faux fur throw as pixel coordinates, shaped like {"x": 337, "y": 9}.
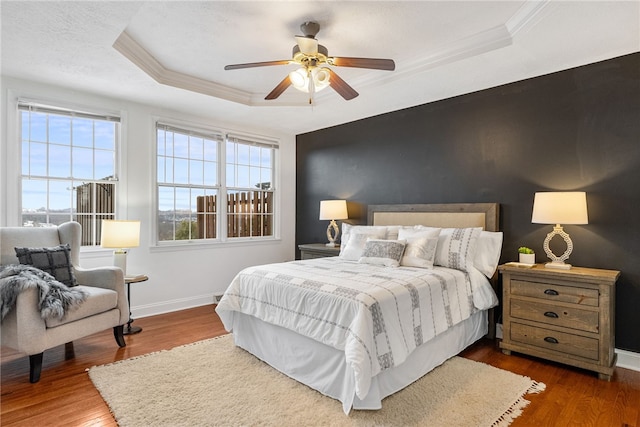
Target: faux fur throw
{"x": 54, "y": 300}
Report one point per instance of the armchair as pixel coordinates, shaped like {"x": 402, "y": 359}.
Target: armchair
{"x": 106, "y": 306}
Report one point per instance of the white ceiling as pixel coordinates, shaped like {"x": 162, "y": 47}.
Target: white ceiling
{"x": 441, "y": 49}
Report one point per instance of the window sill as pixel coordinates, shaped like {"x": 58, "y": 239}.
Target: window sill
{"x": 194, "y": 245}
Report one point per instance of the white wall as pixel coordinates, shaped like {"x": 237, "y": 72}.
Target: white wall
{"x": 179, "y": 277}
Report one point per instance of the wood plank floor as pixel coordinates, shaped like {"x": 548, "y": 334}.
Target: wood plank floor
{"x": 66, "y": 396}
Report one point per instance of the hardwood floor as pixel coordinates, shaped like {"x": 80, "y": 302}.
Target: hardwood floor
{"x": 66, "y": 396}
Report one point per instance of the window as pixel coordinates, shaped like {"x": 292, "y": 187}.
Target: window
{"x": 249, "y": 188}
{"x": 69, "y": 168}
{"x": 213, "y": 186}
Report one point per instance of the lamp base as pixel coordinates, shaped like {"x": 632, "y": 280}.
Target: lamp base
{"x": 558, "y": 265}
{"x": 331, "y": 245}
{"x": 558, "y": 262}
{"x": 332, "y": 233}
{"x": 120, "y": 260}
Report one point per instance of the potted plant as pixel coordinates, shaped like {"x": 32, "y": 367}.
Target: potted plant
{"x": 526, "y": 255}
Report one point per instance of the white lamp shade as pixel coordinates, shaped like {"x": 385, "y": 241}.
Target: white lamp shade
{"x": 333, "y": 209}
{"x": 120, "y": 234}
{"x": 565, "y": 207}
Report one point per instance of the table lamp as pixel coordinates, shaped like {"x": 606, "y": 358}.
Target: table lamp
{"x": 332, "y": 210}
{"x": 120, "y": 235}
{"x": 565, "y": 207}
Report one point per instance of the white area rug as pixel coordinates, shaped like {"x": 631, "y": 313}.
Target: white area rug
{"x": 214, "y": 383}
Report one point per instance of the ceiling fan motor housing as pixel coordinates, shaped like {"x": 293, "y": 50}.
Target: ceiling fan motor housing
{"x": 322, "y": 52}
{"x": 310, "y": 29}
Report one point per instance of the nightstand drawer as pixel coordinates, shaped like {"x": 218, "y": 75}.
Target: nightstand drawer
{"x": 552, "y": 292}
{"x": 569, "y": 317}
{"x": 556, "y": 341}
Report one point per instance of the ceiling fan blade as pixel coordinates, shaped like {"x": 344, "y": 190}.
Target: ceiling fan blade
{"x": 307, "y": 45}
{"x": 373, "y": 63}
{"x": 277, "y": 91}
{"x": 340, "y": 86}
{"x": 257, "y": 64}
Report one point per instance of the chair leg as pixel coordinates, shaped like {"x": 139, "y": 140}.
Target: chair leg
{"x": 35, "y": 367}
{"x": 69, "y": 351}
{"x": 118, "y": 332}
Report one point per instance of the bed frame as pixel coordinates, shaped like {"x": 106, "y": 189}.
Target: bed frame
{"x": 485, "y": 215}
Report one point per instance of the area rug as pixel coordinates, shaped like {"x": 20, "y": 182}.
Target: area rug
{"x": 214, "y": 383}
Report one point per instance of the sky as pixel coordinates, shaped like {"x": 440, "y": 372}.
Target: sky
{"x": 76, "y": 149}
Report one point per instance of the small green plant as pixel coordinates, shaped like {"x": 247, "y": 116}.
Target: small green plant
{"x": 525, "y": 250}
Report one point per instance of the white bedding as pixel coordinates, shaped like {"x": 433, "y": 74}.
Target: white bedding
{"x": 324, "y": 368}
{"x": 376, "y": 315}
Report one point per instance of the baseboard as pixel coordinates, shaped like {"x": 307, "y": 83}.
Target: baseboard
{"x": 140, "y": 311}
{"x": 628, "y": 360}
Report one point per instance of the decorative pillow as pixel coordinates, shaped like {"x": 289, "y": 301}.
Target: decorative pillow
{"x": 457, "y": 247}
{"x": 390, "y": 232}
{"x": 357, "y": 240}
{"x": 383, "y": 252}
{"x": 421, "y": 246}
{"x": 488, "y": 249}
{"x": 55, "y": 261}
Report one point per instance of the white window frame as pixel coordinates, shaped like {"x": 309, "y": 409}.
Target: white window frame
{"x": 69, "y": 110}
{"x": 240, "y": 139}
{"x": 188, "y": 131}
{"x": 221, "y": 232}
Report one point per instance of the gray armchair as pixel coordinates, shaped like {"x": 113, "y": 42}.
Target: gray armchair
{"x": 106, "y": 306}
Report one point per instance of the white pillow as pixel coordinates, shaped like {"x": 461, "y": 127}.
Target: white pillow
{"x": 484, "y": 296}
{"x": 421, "y": 246}
{"x": 348, "y": 230}
{"x": 457, "y": 247}
{"x": 392, "y": 232}
{"x": 488, "y": 249}
{"x": 357, "y": 240}
{"x": 383, "y": 252}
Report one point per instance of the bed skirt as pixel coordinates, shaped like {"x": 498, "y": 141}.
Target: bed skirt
{"x": 324, "y": 368}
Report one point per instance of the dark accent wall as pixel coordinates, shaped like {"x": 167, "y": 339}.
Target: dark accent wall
{"x": 577, "y": 129}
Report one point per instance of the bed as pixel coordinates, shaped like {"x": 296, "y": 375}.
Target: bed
{"x": 364, "y": 325}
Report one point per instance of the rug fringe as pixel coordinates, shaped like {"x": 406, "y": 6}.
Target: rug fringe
{"x": 519, "y": 405}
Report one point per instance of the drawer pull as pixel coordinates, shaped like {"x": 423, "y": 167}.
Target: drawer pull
{"x": 551, "y": 314}
{"x": 551, "y": 292}
{"x": 551, "y": 340}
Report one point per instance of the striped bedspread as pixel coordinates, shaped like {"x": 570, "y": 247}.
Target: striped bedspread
{"x": 376, "y": 315}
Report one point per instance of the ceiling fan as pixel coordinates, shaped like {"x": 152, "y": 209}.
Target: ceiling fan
{"x": 313, "y": 75}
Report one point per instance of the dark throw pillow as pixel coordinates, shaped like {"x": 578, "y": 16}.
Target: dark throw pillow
{"x": 55, "y": 261}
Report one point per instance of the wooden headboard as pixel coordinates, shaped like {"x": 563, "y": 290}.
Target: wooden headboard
{"x": 460, "y": 215}
{"x": 448, "y": 215}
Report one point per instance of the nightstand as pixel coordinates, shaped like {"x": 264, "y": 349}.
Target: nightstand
{"x": 317, "y": 250}
{"x": 567, "y": 316}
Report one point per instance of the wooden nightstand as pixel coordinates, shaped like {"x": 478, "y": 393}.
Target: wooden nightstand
{"x": 317, "y": 250}
{"x": 567, "y": 316}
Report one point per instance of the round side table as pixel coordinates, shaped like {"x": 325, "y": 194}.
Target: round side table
{"x": 128, "y": 329}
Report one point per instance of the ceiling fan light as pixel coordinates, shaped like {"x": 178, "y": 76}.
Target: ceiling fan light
{"x": 320, "y": 78}
{"x": 299, "y": 79}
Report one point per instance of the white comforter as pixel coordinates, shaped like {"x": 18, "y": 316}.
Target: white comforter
{"x": 376, "y": 315}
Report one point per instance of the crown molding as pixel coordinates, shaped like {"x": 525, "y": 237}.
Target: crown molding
{"x": 140, "y": 57}
{"x": 468, "y": 47}
{"x": 525, "y": 16}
